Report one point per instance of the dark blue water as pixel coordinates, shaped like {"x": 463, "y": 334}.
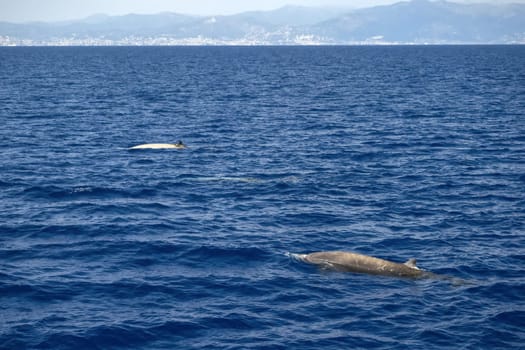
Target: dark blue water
{"x": 395, "y": 152}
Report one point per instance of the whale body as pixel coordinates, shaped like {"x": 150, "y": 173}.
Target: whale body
{"x": 158, "y": 146}
{"x": 354, "y": 262}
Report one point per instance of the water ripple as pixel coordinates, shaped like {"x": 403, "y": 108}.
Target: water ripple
{"x": 395, "y": 152}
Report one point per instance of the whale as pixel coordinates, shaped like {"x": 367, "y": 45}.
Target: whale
{"x": 360, "y": 263}
{"x": 179, "y": 145}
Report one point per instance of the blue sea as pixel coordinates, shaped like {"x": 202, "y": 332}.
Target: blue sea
{"x": 396, "y": 152}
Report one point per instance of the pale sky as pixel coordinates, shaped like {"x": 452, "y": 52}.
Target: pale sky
{"x": 58, "y": 10}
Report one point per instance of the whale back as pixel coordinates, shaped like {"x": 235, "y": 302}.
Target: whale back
{"x": 354, "y": 262}
{"x": 158, "y": 146}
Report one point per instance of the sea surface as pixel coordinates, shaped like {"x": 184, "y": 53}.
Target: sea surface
{"x": 396, "y": 152}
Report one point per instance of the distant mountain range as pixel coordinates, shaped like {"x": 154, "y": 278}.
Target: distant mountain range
{"x": 414, "y": 22}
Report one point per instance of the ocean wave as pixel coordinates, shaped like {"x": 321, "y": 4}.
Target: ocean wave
{"x": 289, "y": 150}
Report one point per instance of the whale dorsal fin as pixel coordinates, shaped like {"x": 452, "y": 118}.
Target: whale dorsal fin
{"x": 412, "y": 263}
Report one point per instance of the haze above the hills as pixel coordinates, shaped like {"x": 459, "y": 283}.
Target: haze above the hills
{"x": 407, "y": 22}
{"x": 61, "y": 10}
